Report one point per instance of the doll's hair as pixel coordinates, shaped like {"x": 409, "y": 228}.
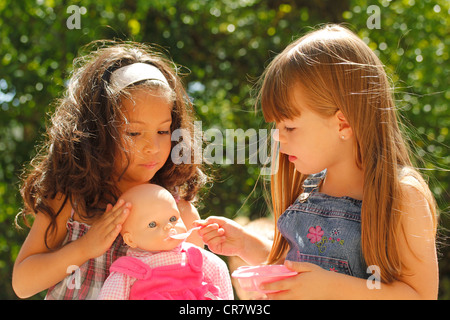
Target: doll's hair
{"x": 336, "y": 70}
{"x": 84, "y": 136}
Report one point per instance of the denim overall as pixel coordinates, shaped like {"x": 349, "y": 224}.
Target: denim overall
{"x": 324, "y": 230}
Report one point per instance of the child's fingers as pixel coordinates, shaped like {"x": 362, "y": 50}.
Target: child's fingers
{"x": 215, "y": 244}
{"x": 211, "y": 232}
{"x": 207, "y": 229}
{"x": 118, "y": 213}
{"x": 110, "y": 232}
{"x": 123, "y": 214}
{"x": 211, "y": 228}
{"x": 112, "y": 212}
{"x": 118, "y": 204}
{"x": 210, "y": 220}
{"x": 108, "y": 207}
{"x": 199, "y": 223}
{"x": 270, "y": 286}
{"x": 216, "y": 240}
{"x": 280, "y": 285}
{"x": 216, "y": 220}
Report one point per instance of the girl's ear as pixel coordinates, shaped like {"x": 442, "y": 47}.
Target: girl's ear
{"x": 128, "y": 240}
{"x": 345, "y": 131}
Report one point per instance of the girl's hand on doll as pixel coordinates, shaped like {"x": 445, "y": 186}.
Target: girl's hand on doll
{"x": 222, "y": 236}
{"x": 310, "y": 283}
{"x": 105, "y": 230}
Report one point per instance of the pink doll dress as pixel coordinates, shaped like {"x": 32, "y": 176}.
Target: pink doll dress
{"x": 181, "y": 281}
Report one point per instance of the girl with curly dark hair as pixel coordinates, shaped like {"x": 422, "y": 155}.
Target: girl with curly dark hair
{"x": 110, "y": 131}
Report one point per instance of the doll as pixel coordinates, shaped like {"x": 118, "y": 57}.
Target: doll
{"x": 156, "y": 266}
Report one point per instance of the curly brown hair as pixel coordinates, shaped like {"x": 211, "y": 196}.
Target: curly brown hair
{"x": 84, "y": 135}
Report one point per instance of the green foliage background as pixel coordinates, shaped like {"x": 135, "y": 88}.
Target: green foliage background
{"x": 222, "y": 46}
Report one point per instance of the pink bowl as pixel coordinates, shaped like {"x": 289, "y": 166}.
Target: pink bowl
{"x": 250, "y": 277}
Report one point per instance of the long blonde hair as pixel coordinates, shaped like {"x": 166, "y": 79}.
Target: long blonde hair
{"x": 338, "y": 71}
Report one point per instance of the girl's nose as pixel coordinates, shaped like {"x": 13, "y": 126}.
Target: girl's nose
{"x": 151, "y": 146}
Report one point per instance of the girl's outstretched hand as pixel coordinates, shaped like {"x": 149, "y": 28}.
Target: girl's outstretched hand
{"x": 105, "y": 230}
{"x": 222, "y": 236}
{"x": 310, "y": 283}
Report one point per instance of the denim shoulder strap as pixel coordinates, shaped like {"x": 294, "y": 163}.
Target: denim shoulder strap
{"x": 312, "y": 183}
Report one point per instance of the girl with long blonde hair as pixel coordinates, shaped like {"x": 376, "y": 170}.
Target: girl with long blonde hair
{"x": 352, "y": 215}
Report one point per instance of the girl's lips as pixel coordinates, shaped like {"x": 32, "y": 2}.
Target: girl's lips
{"x": 292, "y": 158}
{"x": 149, "y": 165}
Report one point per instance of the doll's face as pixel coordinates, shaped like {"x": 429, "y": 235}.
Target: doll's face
{"x": 153, "y": 218}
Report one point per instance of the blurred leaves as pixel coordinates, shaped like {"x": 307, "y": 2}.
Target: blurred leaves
{"x": 221, "y": 47}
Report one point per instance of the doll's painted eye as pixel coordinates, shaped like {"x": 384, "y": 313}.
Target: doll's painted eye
{"x": 173, "y": 218}
{"x": 152, "y": 224}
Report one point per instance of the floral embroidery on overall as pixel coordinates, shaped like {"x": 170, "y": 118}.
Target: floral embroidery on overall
{"x": 316, "y": 236}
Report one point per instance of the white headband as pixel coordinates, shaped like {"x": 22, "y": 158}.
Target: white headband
{"x": 123, "y": 77}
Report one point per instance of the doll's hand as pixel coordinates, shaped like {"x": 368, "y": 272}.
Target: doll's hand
{"x": 222, "y": 236}
{"x": 105, "y": 230}
{"x": 310, "y": 283}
